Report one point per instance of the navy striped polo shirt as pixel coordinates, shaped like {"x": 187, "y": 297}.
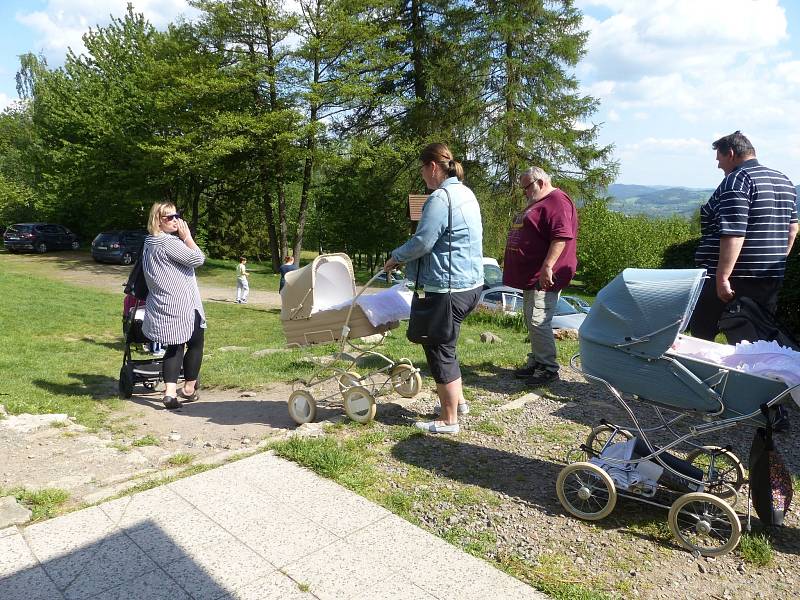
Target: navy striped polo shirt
{"x": 757, "y": 203}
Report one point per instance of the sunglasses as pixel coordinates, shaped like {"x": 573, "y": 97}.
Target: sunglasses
{"x": 171, "y": 217}
{"x": 525, "y": 188}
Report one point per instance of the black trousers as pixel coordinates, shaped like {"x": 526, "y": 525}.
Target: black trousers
{"x": 191, "y": 359}
{"x": 442, "y": 358}
{"x": 708, "y": 310}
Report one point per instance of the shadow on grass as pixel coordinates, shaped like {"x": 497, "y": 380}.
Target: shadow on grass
{"x": 99, "y": 387}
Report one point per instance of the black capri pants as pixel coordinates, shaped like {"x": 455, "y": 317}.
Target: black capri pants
{"x": 442, "y": 358}
{"x": 191, "y": 360}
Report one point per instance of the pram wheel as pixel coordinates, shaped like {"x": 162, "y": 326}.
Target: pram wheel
{"x": 722, "y": 470}
{"x": 359, "y": 404}
{"x": 704, "y": 523}
{"x": 406, "y": 380}
{"x": 602, "y": 434}
{"x": 302, "y": 407}
{"x": 586, "y": 491}
{"x": 348, "y": 380}
{"x": 125, "y": 386}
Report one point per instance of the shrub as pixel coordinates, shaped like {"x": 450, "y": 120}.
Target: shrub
{"x": 789, "y": 299}
{"x": 609, "y": 242}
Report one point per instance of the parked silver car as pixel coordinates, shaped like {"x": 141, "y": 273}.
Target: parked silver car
{"x": 570, "y": 312}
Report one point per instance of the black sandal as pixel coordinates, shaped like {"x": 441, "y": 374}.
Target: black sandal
{"x": 193, "y": 397}
{"x": 171, "y": 402}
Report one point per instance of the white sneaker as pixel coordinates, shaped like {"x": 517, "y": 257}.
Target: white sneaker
{"x": 463, "y": 408}
{"x": 432, "y": 427}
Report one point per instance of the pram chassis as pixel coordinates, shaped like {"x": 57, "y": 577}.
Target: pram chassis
{"x": 704, "y": 523}
{"x": 148, "y": 371}
{"x": 358, "y": 391}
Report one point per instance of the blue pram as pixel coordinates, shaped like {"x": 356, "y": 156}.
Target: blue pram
{"x": 631, "y": 343}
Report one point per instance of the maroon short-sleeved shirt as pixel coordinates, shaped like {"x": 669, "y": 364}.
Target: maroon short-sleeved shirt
{"x": 552, "y": 217}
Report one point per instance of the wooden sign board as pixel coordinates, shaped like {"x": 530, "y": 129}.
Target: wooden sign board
{"x": 415, "y": 202}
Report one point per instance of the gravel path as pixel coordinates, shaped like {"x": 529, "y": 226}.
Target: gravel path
{"x": 515, "y": 449}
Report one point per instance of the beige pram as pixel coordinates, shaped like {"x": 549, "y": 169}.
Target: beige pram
{"x": 320, "y": 305}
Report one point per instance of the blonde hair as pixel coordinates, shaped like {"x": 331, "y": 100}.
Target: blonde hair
{"x": 441, "y": 155}
{"x": 158, "y": 210}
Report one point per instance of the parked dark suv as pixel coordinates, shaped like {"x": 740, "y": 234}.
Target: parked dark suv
{"x": 121, "y": 247}
{"x": 40, "y": 237}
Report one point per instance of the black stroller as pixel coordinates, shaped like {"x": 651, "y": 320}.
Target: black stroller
{"x": 147, "y": 367}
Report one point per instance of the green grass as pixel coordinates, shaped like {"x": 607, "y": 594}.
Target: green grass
{"x": 555, "y": 575}
{"x": 489, "y": 427}
{"x": 755, "y": 549}
{"x": 72, "y": 353}
{"x": 43, "y": 504}
{"x": 147, "y": 440}
{"x": 180, "y": 459}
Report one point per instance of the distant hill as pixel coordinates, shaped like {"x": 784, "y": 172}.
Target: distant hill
{"x": 658, "y": 200}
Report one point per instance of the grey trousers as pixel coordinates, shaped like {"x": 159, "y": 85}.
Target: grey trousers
{"x": 242, "y": 289}
{"x": 538, "y": 308}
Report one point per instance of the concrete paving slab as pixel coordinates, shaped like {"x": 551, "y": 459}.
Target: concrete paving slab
{"x": 212, "y": 571}
{"x": 106, "y": 564}
{"x": 396, "y": 588}
{"x": 339, "y": 571}
{"x": 155, "y": 585}
{"x": 261, "y": 528}
{"x": 275, "y": 586}
{"x": 57, "y": 537}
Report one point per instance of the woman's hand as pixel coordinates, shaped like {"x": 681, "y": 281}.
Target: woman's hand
{"x": 183, "y": 230}
{"x": 390, "y": 264}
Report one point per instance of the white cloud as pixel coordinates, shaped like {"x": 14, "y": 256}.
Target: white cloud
{"x": 651, "y": 37}
{"x": 62, "y": 23}
{"x": 670, "y": 145}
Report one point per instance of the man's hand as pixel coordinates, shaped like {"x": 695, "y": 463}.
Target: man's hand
{"x": 546, "y": 277}
{"x": 724, "y": 290}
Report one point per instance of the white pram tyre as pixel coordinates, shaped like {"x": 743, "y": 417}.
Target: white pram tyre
{"x": 586, "y": 491}
{"x": 406, "y": 380}
{"x": 704, "y": 523}
{"x": 723, "y": 472}
{"x": 359, "y": 404}
{"x": 302, "y": 407}
{"x": 600, "y": 435}
{"x": 348, "y": 380}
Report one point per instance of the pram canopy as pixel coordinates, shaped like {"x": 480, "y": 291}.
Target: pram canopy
{"x": 325, "y": 282}
{"x": 629, "y": 340}
{"x": 318, "y": 304}
{"x": 642, "y": 311}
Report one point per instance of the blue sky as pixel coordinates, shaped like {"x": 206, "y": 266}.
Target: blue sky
{"x": 671, "y": 75}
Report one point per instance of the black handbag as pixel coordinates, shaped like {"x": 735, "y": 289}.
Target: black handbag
{"x": 137, "y": 284}
{"x": 431, "y": 320}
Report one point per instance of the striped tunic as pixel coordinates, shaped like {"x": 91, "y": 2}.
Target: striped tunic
{"x": 168, "y": 266}
{"x": 756, "y": 203}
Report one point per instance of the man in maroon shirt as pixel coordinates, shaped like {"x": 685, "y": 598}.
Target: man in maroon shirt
{"x": 540, "y": 259}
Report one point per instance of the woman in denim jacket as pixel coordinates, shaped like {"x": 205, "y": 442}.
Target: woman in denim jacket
{"x": 427, "y": 255}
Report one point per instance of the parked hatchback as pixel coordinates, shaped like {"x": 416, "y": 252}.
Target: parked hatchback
{"x": 122, "y": 247}
{"x": 570, "y": 310}
{"x": 40, "y": 237}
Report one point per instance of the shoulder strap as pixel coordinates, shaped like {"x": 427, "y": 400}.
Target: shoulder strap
{"x": 449, "y": 245}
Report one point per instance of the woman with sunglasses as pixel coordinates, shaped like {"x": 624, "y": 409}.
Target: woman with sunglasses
{"x": 174, "y": 312}
{"x": 440, "y": 263}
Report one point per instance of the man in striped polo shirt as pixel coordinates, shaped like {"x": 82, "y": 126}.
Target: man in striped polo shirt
{"x": 747, "y": 229}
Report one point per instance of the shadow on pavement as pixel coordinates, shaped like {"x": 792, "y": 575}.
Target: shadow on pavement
{"x": 132, "y": 562}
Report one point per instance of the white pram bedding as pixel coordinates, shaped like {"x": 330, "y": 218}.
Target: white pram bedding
{"x": 383, "y": 307}
{"x": 768, "y": 359}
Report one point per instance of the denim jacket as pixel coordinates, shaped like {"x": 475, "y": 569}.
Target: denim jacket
{"x": 427, "y": 250}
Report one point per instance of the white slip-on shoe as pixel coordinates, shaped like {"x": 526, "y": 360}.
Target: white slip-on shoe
{"x": 463, "y": 408}
{"x": 432, "y": 427}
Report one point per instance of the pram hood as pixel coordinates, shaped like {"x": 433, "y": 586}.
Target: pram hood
{"x": 325, "y": 282}
{"x": 642, "y": 311}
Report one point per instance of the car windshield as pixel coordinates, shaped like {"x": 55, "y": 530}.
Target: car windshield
{"x": 109, "y": 236}
{"x": 492, "y": 275}
{"x": 565, "y": 308}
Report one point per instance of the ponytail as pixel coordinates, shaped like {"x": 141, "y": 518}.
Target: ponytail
{"x": 441, "y": 155}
